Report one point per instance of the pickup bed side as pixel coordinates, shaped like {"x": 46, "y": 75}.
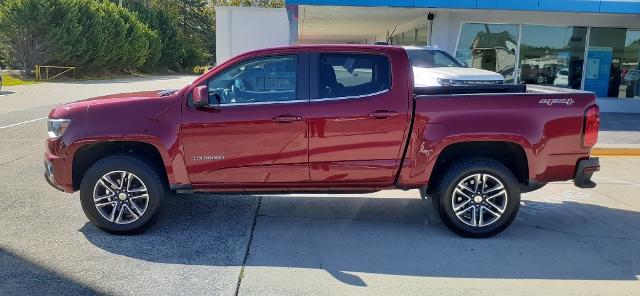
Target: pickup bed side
{"x": 550, "y": 135}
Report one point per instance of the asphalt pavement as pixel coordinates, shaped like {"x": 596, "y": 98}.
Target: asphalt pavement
{"x": 565, "y": 240}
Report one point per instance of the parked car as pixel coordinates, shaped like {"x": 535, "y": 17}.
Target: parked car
{"x": 434, "y": 67}
{"x": 562, "y": 78}
{"x": 330, "y": 118}
{"x": 0, "y": 78}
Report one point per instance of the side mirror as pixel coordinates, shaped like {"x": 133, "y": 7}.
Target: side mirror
{"x": 200, "y": 96}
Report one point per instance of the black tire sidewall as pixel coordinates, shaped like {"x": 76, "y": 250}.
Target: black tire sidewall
{"x": 463, "y": 170}
{"x": 140, "y": 167}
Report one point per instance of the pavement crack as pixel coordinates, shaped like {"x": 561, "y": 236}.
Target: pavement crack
{"x": 21, "y": 157}
{"x": 246, "y": 253}
{"x": 578, "y": 234}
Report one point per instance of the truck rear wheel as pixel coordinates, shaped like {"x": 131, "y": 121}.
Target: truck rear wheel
{"x": 477, "y": 197}
{"x": 122, "y": 193}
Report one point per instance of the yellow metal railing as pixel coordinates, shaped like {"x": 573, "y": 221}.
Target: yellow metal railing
{"x": 201, "y": 69}
{"x": 62, "y": 70}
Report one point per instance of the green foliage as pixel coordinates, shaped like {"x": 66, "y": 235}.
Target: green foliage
{"x": 23, "y": 31}
{"x": 100, "y": 36}
{"x": 96, "y": 36}
{"x": 185, "y": 28}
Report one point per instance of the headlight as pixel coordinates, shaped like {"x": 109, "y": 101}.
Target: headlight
{"x": 56, "y": 127}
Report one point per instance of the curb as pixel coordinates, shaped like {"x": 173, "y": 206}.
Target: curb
{"x": 617, "y": 151}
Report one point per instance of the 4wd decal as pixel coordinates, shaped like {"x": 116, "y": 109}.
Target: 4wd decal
{"x": 551, "y": 102}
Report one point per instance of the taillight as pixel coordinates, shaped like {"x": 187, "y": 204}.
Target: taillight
{"x": 591, "y": 126}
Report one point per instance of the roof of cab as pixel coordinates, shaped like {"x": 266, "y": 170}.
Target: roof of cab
{"x": 318, "y": 47}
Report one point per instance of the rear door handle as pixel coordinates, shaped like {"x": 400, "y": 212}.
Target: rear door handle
{"x": 287, "y": 118}
{"x": 382, "y": 114}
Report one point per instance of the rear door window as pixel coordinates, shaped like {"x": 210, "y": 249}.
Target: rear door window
{"x": 343, "y": 75}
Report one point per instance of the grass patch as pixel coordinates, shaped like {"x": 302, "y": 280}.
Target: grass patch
{"x": 9, "y": 80}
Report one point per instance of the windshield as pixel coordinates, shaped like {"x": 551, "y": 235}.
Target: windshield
{"x": 423, "y": 58}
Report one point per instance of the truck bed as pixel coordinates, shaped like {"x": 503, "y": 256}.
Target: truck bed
{"x": 546, "y": 122}
{"x": 490, "y": 89}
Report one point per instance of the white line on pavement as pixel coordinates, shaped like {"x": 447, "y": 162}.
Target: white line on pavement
{"x": 19, "y": 123}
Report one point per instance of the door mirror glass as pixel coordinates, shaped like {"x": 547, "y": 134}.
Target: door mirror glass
{"x": 200, "y": 96}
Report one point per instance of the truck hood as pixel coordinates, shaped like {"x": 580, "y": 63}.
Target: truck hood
{"x": 429, "y": 76}
{"x": 125, "y": 96}
{"x": 64, "y": 110}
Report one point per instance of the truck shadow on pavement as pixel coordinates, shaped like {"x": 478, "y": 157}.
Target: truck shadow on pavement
{"x": 395, "y": 236}
{"x": 20, "y": 276}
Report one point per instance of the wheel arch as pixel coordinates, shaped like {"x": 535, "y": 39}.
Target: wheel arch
{"x": 88, "y": 154}
{"x": 511, "y": 154}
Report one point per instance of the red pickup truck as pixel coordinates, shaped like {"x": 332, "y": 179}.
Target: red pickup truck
{"x": 330, "y": 118}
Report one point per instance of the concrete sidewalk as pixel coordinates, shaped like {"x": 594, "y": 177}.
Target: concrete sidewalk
{"x": 619, "y": 135}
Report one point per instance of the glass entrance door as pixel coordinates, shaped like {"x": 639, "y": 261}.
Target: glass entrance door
{"x": 613, "y": 60}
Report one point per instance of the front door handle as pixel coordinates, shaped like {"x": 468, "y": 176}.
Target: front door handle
{"x": 284, "y": 118}
{"x": 382, "y": 114}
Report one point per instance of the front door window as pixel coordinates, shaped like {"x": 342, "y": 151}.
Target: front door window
{"x": 262, "y": 80}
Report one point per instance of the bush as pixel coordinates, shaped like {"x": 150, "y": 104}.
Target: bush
{"x": 185, "y": 29}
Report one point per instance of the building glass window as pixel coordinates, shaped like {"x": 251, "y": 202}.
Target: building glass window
{"x": 416, "y": 36}
{"x": 613, "y": 62}
{"x": 551, "y": 55}
{"x": 491, "y": 47}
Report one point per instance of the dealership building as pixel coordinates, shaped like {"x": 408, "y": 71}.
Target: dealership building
{"x": 592, "y": 45}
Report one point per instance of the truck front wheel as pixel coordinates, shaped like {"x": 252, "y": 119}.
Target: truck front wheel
{"x": 121, "y": 193}
{"x": 477, "y": 197}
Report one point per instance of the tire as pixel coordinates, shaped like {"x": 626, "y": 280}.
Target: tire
{"x": 112, "y": 211}
{"x": 477, "y": 219}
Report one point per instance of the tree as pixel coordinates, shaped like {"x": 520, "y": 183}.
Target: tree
{"x": 23, "y": 31}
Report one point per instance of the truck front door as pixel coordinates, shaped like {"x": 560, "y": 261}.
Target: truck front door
{"x": 255, "y": 130}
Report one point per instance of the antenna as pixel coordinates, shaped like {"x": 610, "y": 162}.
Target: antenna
{"x": 390, "y": 35}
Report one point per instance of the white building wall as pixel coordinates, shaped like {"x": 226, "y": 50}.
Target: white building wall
{"x": 441, "y": 30}
{"x": 242, "y": 29}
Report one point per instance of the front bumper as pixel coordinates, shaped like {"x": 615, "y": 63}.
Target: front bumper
{"x": 584, "y": 172}
{"x": 48, "y": 176}
{"x": 57, "y": 172}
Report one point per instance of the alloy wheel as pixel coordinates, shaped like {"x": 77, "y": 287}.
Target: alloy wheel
{"x": 479, "y": 200}
{"x": 120, "y": 197}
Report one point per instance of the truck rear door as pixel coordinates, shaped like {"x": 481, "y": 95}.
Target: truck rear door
{"x": 358, "y": 116}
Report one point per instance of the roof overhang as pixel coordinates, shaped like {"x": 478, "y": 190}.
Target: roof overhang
{"x": 592, "y": 6}
{"x": 349, "y": 23}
